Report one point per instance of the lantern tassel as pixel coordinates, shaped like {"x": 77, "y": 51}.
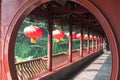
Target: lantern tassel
{"x": 33, "y": 40}
{"x": 57, "y": 39}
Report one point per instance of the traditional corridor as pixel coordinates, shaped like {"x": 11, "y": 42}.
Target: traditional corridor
{"x": 99, "y": 69}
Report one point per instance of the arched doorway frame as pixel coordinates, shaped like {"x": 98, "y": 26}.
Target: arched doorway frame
{"x": 28, "y": 7}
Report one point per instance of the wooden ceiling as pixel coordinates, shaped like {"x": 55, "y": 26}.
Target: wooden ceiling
{"x": 66, "y": 12}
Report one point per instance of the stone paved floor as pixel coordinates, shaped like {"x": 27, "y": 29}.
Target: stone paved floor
{"x": 98, "y": 70}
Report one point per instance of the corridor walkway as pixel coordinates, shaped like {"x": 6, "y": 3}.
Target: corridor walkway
{"x": 97, "y": 70}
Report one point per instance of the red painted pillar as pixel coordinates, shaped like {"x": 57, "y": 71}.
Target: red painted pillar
{"x": 92, "y": 41}
{"x": 102, "y": 42}
{"x": 81, "y": 42}
{"x": 96, "y": 43}
{"x": 99, "y": 42}
{"x": 49, "y": 61}
{"x": 88, "y": 43}
{"x": 70, "y": 43}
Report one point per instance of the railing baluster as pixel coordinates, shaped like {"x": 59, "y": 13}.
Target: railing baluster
{"x": 33, "y": 68}
{"x": 19, "y": 73}
{"x": 36, "y": 66}
{"x": 27, "y": 71}
{"x": 22, "y": 71}
{"x": 39, "y": 65}
{"x": 28, "y": 66}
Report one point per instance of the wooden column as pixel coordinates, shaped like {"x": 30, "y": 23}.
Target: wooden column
{"x": 92, "y": 41}
{"x": 50, "y": 23}
{"x": 88, "y": 43}
{"x": 100, "y": 43}
{"x": 70, "y": 42}
{"x": 96, "y": 43}
{"x": 81, "y": 42}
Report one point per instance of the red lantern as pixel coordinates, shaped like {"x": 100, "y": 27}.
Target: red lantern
{"x": 85, "y": 37}
{"x": 33, "y": 32}
{"x": 57, "y": 34}
{"x": 90, "y": 37}
{"x": 95, "y": 38}
{"x": 98, "y": 38}
{"x": 78, "y": 36}
{"x": 74, "y": 34}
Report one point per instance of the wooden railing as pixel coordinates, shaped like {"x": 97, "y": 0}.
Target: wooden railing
{"x": 27, "y": 70}
{"x": 59, "y": 59}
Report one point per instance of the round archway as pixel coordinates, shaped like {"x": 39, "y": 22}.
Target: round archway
{"x": 30, "y": 5}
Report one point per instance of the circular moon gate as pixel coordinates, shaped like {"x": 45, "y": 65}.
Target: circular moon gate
{"x": 30, "y": 6}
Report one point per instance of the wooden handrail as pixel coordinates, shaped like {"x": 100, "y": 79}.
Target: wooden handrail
{"x": 31, "y": 68}
{"x": 38, "y": 66}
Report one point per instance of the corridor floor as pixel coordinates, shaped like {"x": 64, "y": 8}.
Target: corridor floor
{"x": 98, "y": 70}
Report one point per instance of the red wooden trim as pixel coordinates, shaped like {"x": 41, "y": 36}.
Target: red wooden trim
{"x": 88, "y": 43}
{"x": 92, "y": 41}
{"x": 70, "y": 43}
{"x": 81, "y": 43}
{"x": 62, "y": 10}
{"x": 49, "y": 61}
{"x": 96, "y": 43}
{"x": 100, "y": 42}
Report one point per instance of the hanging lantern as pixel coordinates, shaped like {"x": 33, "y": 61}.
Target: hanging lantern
{"x": 98, "y": 38}
{"x": 90, "y": 37}
{"x": 33, "y": 32}
{"x": 95, "y": 38}
{"x": 58, "y": 34}
{"x": 74, "y": 34}
{"x": 85, "y": 37}
{"x": 78, "y": 36}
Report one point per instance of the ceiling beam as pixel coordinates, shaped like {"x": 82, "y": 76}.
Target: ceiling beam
{"x": 39, "y": 12}
{"x": 67, "y": 10}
